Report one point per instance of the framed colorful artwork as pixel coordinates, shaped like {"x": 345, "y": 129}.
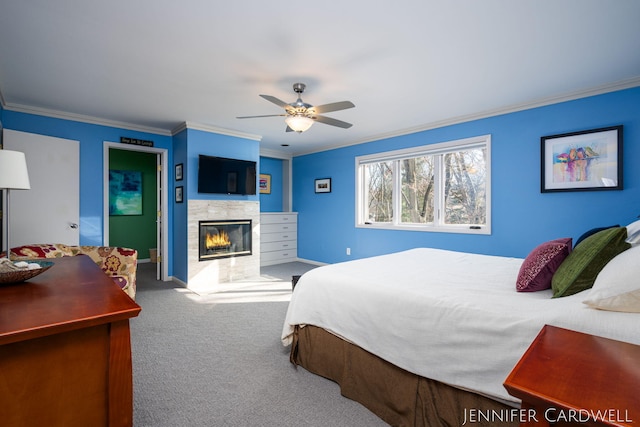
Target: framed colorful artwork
{"x": 265, "y": 183}
{"x": 582, "y": 161}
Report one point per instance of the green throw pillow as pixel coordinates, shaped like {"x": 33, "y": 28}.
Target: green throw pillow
{"x": 580, "y": 269}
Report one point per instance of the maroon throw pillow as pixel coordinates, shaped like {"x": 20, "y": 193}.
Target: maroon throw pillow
{"x": 539, "y": 266}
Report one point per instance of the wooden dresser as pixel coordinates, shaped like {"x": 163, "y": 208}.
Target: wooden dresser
{"x": 65, "y": 349}
{"x": 572, "y": 378}
{"x": 278, "y": 237}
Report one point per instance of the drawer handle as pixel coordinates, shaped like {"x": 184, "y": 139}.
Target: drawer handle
{"x": 285, "y": 228}
{"x": 284, "y": 246}
{"x": 285, "y": 254}
{"x": 285, "y": 237}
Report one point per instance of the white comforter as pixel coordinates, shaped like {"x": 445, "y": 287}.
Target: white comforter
{"x": 450, "y": 316}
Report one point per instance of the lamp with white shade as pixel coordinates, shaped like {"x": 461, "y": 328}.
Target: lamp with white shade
{"x": 13, "y": 176}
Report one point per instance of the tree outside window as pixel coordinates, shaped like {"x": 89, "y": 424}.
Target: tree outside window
{"x": 432, "y": 187}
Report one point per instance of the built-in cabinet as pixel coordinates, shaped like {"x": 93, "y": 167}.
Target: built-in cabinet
{"x": 278, "y": 237}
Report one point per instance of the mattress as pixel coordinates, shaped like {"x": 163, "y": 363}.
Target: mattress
{"x": 450, "y": 316}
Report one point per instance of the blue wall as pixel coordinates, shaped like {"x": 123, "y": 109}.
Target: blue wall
{"x": 91, "y": 139}
{"x": 272, "y": 202}
{"x": 522, "y": 216}
{"x": 213, "y": 144}
{"x": 188, "y": 145}
{"x": 179, "y": 220}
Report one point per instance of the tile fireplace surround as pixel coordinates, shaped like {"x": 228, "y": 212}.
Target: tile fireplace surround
{"x": 215, "y": 275}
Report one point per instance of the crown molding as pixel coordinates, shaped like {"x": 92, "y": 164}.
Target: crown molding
{"x": 598, "y": 90}
{"x": 56, "y": 114}
{"x": 214, "y": 129}
{"x": 275, "y": 154}
{"x": 571, "y": 96}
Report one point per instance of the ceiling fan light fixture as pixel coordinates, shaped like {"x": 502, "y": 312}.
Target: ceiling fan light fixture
{"x": 299, "y": 123}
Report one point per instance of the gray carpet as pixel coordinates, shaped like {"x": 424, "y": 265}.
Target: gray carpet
{"x": 217, "y": 359}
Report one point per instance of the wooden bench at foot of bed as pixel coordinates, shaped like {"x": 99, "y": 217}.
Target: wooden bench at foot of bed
{"x": 398, "y": 397}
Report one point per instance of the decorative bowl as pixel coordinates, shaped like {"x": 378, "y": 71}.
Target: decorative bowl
{"x": 17, "y": 276}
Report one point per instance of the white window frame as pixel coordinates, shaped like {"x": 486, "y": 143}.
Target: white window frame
{"x": 483, "y": 141}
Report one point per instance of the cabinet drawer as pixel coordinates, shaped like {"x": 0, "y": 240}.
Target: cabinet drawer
{"x": 278, "y": 218}
{"x": 279, "y": 228}
{"x": 278, "y": 256}
{"x": 277, "y": 246}
{"x": 277, "y": 237}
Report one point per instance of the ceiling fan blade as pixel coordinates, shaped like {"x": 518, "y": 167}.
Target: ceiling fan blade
{"x": 335, "y": 106}
{"x": 288, "y": 129}
{"x": 333, "y": 122}
{"x": 268, "y": 115}
{"x": 278, "y": 102}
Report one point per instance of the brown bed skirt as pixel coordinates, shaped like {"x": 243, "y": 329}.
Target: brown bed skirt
{"x": 398, "y": 397}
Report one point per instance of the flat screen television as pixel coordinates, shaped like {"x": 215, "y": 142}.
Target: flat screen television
{"x": 219, "y": 175}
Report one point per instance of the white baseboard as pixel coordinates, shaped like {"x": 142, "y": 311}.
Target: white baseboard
{"x": 308, "y": 261}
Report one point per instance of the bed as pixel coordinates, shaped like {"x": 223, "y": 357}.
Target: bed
{"x": 425, "y": 336}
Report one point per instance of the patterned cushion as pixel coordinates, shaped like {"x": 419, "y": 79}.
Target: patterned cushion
{"x": 118, "y": 263}
{"x": 45, "y": 250}
{"x": 538, "y": 268}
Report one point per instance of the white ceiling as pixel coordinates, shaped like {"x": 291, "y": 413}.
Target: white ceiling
{"x": 406, "y": 65}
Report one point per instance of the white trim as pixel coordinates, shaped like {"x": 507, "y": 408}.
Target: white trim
{"x": 275, "y": 154}
{"x": 571, "y": 96}
{"x": 436, "y": 148}
{"x": 164, "y": 194}
{"x": 430, "y": 149}
{"x": 178, "y": 281}
{"x": 56, "y": 114}
{"x": 214, "y": 129}
{"x": 308, "y": 261}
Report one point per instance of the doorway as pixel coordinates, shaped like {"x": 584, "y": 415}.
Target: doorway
{"x": 153, "y": 163}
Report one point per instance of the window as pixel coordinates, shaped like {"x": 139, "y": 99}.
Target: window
{"x": 438, "y": 187}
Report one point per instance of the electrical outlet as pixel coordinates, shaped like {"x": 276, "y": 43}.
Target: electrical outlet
{"x": 348, "y": 251}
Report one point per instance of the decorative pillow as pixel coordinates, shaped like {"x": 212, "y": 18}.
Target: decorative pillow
{"x": 592, "y": 232}
{"x": 617, "y": 287}
{"x": 580, "y": 269}
{"x": 633, "y": 233}
{"x": 538, "y": 267}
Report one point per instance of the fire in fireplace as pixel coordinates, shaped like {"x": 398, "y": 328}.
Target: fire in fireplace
{"x": 224, "y": 238}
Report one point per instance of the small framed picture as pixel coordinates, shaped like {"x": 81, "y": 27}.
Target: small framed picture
{"x": 179, "y": 172}
{"x": 265, "y": 183}
{"x": 323, "y": 185}
{"x": 179, "y": 194}
{"x": 582, "y": 161}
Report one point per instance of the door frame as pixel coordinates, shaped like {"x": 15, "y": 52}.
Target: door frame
{"x": 164, "y": 222}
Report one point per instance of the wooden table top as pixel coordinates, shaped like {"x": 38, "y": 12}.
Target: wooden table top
{"x": 74, "y": 293}
{"x": 581, "y": 372}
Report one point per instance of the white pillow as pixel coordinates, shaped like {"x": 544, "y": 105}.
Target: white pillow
{"x": 617, "y": 286}
{"x": 633, "y": 233}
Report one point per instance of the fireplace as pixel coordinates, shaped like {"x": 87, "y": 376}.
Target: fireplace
{"x": 224, "y": 238}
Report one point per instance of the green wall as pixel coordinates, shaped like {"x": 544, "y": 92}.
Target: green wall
{"x": 136, "y": 231}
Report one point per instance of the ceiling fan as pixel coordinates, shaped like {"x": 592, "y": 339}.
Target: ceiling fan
{"x": 300, "y": 115}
